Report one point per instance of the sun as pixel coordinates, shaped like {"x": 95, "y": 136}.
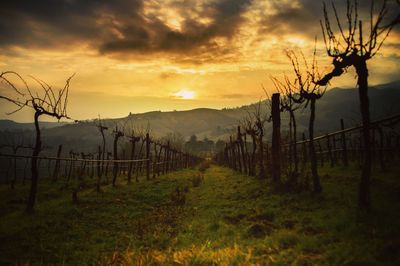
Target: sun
{"x": 185, "y": 94}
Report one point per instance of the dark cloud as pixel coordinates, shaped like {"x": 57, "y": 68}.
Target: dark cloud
{"x": 303, "y": 17}
{"x": 155, "y": 36}
{"x": 289, "y": 18}
{"x": 123, "y": 29}
{"x": 116, "y": 27}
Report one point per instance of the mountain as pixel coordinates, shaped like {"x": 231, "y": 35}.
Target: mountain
{"x": 216, "y": 124}
{"x": 10, "y": 125}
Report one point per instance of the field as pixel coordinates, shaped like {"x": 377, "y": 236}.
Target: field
{"x": 224, "y": 219}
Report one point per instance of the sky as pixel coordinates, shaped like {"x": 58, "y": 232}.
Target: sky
{"x": 143, "y": 55}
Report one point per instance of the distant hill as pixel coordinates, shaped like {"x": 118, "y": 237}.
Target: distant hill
{"x": 12, "y": 126}
{"x": 218, "y": 124}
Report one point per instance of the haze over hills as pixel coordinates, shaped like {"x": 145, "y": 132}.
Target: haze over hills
{"x": 218, "y": 124}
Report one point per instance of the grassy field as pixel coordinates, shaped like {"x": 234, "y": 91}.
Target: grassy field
{"x": 227, "y": 219}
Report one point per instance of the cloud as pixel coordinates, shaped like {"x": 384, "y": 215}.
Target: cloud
{"x": 184, "y": 31}
{"x": 121, "y": 27}
{"x": 302, "y": 17}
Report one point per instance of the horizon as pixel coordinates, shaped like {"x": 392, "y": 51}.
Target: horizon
{"x": 50, "y": 119}
{"x": 137, "y": 56}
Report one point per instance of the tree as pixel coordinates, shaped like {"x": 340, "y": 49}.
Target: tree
{"x": 308, "y": 92}
{"x": 250, "y": 129}
{"x": 44, "y": 101}
{"x": 352, "y": 48}
{"x": 257, "y": 129}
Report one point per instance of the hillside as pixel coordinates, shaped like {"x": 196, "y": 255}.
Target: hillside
{"x": 218, "y": 124}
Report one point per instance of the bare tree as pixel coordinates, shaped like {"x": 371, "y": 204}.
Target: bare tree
{"x": 259, "y": 120}
{"x": 250, "y": 129}
{"x": 44, "y": 102}
{"x": 308, "y": 92}
{"x": 351, "y": 48}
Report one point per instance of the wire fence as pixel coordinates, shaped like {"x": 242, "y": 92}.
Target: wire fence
{"x": 340, "y": 147}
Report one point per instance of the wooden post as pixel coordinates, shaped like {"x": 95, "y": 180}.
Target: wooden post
{"x": 334, "y": 150}
{"x": 154, "y": 161}
{"x": 344, "y": 145}
{"x": 237, "y": 144}
{"x": 147, "y": 156}
{"x": 381, "y": 147}
{"x": 242, "y": 150}
{"x": 328, "y": 143}
{"x": 83, "y": 166}
{"x": 99, "y": 163}
{"x": 276, "y": 139}
{"x": 167, "y": 157}
{"x": 107, "y": 164}
{"x": 233, "y": 153}
{"x": 321, "y": 154}
{"x": 159, "y": 159}
{"x": 71, "y": 166}
{"x": 305, "y": 152}
{"x": 57, "y": 166}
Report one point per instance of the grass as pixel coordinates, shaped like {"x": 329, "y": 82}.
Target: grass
{"x": 227, "y": 219}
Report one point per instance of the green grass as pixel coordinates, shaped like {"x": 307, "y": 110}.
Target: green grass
{"x": 229, "y": 219}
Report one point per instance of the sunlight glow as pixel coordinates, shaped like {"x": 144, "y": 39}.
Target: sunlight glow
{"x": 185, "y": 94}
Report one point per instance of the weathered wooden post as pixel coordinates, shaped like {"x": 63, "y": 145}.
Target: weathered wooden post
{"x": 321, "y": 153}
{"x": 276, "y": 139}
{"x": 305, "y": 152}
{"x": 381, "y": 147}
{"x": 334, "y": 157}
{"x": 99, "y": 169}
{"x": 159, "y": 159}
{"x": 233, "y": 153}
{"x": 167, "y": 157}
{"x": 71, "y": 166}
{"x": 57, "y": 165}
{"x": 344, "y": 145}
{"x": 154, "y": 160}
{"x": 328, "y": 143}
{"x": 117, "y": 135}
{"x": 241, "y": 147}
{"x": 239, "y": 160}
{"x": 267, "y": 156}
{"x": 147, "y": 156}
{"x": 226, "y": 155}
{"x": 132, "y": 140}
{"x": 83, "y": 166}
{"x": 107, "y": 164}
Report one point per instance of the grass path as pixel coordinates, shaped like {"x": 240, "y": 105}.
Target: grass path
{"x": 229, "y": 219}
